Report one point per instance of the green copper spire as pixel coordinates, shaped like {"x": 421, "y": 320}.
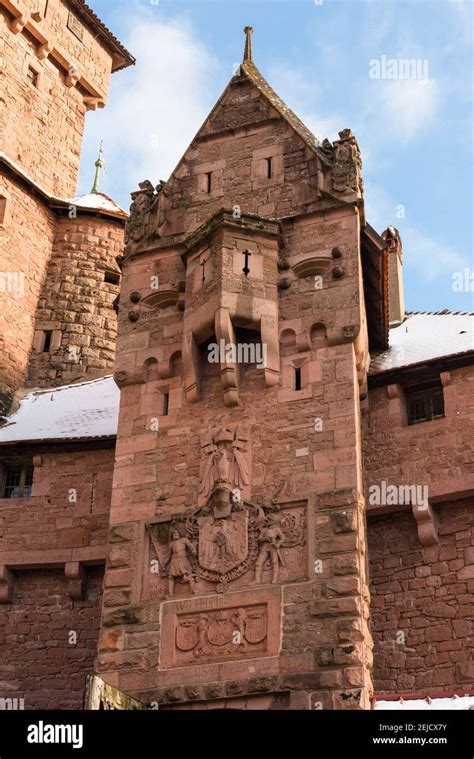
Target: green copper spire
{"x": 99, "y": 165}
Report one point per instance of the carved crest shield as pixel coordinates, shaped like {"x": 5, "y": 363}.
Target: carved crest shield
{"x": 220, "y": 630}
{"x": 186, "y": 634}
{"x": 223, "y": 543}
{"x": 256, "y": 625}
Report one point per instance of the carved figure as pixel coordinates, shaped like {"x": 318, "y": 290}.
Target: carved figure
{"x": 270, "y": 540}
{"x": 178, "y": 563}
{"x": 225, "y": 462}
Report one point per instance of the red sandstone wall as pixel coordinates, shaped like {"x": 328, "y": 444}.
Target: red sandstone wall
{"x": 437, "y": 453}
{"x": 77, "y": 304}
{"x": 27, "y": 239}
{"x": 49, "y": 520}
{"x": 39, "y": 535}
{"x": 37, "y": 660}
{"x": 41, "y": 127}
{"x": 427, "y": 595}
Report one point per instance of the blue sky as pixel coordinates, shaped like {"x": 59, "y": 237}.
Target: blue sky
{"x": 415, "y": 134}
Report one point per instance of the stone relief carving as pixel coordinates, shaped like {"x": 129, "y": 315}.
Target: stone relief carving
{"x": 178, "y": 565}
{"x": 221, "y": 633}
{"x": 144, "y": 201}
{"x": 226, "y": 540}
{"x": 225, "y": 462}
{"x": 346, "y": 176}
{"x": 201, "y": 631}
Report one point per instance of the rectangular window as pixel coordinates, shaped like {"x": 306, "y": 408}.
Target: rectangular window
{"x": 17, "y": 482}
{"x": 297, "y": 379}
{"x": 424, "y": 402}
{"x": 32, "y": 76}
{"x": 48, "y": 333}
{"x": 269, "y": 168}
{"x": 209, "y": 181}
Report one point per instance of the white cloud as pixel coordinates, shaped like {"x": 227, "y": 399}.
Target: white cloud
{"x": 431, "y": 259}
{"x": 154, "y": 109}
{"x": 409, "y": 105}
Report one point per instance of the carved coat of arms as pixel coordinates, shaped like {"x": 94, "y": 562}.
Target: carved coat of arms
{"x": 227, "y": 535}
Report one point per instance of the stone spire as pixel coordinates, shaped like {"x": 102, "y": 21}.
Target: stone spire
{"x": 99, "y": 165}
{"x": 248, "y": 43}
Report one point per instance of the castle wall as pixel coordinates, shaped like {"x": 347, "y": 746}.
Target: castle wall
{"x": 76, "y": 303}
{"x": 42, "y": 123}
{"x": 437, "y": 454}
{"x": 27, "y": 235}
{"x": 48, "y": 641}
{"x": 422, "y": 602}
{"x": 51, "y": 570}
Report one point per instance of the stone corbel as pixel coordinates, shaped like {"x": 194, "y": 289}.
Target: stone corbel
{"x": 7, "y": 584}
{"x": 269, "y": 338}
{"x": 43, "y": 51}
{"x": 76, "y": 580}
{"x": 229, "y": 369}
{"x": 426, "y": 524}
{"x": 129, "y": 377}
{"x": 92, "y": 104}
{"x": 72, "y": 77}
{"x": 190, "y": 367}
{"x": 17, "y": 24}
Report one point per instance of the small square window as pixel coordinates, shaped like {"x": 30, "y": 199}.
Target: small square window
{"x": 112, "y": 277}
{"x": 424, "y": 402}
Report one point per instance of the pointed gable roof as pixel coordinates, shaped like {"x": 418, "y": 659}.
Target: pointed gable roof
{"x": 249, "y": 69}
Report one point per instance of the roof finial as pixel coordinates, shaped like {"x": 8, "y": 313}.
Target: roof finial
{"x": 248, "y": 43}
{"x": 99, "y": 165}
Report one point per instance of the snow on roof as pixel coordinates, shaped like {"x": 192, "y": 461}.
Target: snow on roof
{"x": 93, "y": 201}
{"x": 86, "y": 410}
{"x": 97, "y": 201}
{"x": 452, "y": 703}
{"x": 424, "y": 337}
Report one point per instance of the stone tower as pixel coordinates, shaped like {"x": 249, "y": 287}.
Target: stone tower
{"x": 57, "y": 60}
{"x": 76, "y": 322}
{"x": 236, "y": 569}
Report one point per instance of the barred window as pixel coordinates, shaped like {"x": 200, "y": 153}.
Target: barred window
{"x": 424, "y": 402}
{"x": 17, "y": 481}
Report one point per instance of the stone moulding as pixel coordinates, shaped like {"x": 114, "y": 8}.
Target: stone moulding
{"x": 74, "y": 561}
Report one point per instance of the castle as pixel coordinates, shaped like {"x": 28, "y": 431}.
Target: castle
{"x": 234, "y": 472}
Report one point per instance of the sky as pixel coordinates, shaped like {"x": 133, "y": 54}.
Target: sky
{"x": 337, "y": 64}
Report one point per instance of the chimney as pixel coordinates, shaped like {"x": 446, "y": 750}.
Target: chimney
{"x": 396, "y": 300}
